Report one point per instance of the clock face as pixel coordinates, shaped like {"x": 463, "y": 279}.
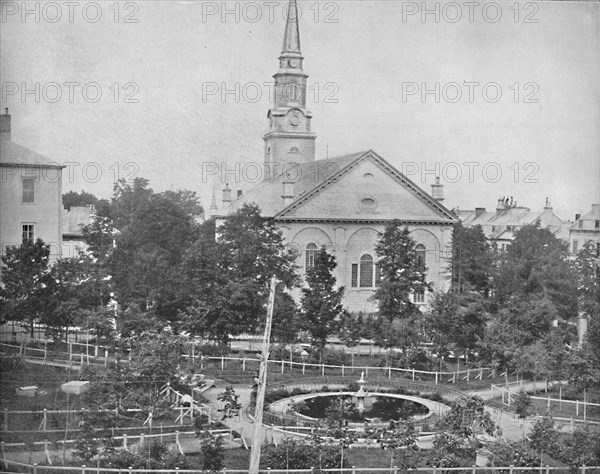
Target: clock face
{"x": 294, "y": 119}
{"x": 293, "y": 63}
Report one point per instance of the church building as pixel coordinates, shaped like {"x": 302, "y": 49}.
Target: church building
{"x": 342, "y": 202}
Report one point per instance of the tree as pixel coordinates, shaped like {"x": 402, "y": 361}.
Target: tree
{"x": 292, "y": 454}
{"x": 213, "y": 452}
{"x": 229, "y": 278}
{"x": 402, "y": 274}
{"x": 321, "y": 302}
{"x": 522, "y": 405}
{"x": 337, "y": 416}
{"x": 467, "y": 417}
{"x": 74, "y": 199}
{"x": 472, "y": 260}
{"x": 25, "y": 277}
{"x": 453, "y": 326}
{"x": 399, "y": 436}
{"x": 517, "y": 454}
{"x": 231, "y": 405}
{"x": 543, "y": 437}
{"x": 536, "y": 264}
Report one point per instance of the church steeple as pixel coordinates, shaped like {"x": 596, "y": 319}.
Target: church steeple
{"x": 289, "y": 139}
{"x": 291, "y": 38}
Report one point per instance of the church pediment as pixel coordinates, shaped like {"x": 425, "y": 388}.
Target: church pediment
{"x": 367, "y": 189}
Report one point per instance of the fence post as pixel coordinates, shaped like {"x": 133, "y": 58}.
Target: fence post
{"x": 577, "y": 407}
{"x": 436, "y": 378}
{"x": 510, "y": 471}
{"x": 125, "y": 441}
{"x": 81, "y": 359}
{"x": 342, "y": 370}
{"x": 547, "y": 469}
{"x": 45, "y": 418}
{"x": 83, "y": 469}
{"x": 222, "y": 363}
{"x": 323, "y": 370}
{"x": 413, "y": 375}
{"x": 474, "y": 469}
{"x": 389, "y": 372}
{"x": 367, "y": 371}
{"x": 282, "y": 366}
{"x": 244, "y": 364}
{"x": 6, "y": 419}
{"x": 468, "y": 374}
{"x": 141, "y": 439}
{"x": 35, "y": 466}
{"x": 303, "y": 367}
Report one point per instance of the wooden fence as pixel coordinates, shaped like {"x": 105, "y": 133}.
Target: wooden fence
{"x": 12, "y": 466}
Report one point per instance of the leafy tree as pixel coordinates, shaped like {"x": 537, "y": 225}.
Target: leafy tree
{"x": 397, "y": 436}
{"x": 451, "y": 450}
{"x": 517, "y": 454}
{"x": 231, "y": 405}
{"x": 453, "y": 326}
{"x": 467, "y": 417}
{"x": 74, "y": 199}
{"x": 351, "y": 328}
{"x": 25, "y": 276}
{"x": 543, "y": 437}
{"x": 292, "y": 454}
{"x": 401, "y": 273}
{"x": 582, "y": 448}
{"x": 321, "y": 302}
{"x": 472, "y": 261}
{"x": 213, "y": 452}
{"x": 229, "y": 279}
{"x": 536, "y": 264}
{"x": 337, "y": 415}
{"x": 287, "y": 319}
{"x": 522, "y": 405}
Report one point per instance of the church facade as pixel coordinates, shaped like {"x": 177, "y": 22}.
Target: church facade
{"x": 342, "y": 202}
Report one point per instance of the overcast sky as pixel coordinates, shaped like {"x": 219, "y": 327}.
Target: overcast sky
{"x": 368, "y": 62}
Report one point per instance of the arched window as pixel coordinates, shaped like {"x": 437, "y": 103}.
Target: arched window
{"x": 366, "y": 271}
{"x": 420, "y": 254}
{"x": 311, "y": 255}
{"x": 294, "y": 149}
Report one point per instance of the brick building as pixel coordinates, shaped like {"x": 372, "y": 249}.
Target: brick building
{"x": 30, "y": 194}
{"x": 342, "y": 202}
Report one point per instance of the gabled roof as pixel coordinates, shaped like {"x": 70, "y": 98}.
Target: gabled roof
{"x": 313, "y": 177}
{"x": 17, "y": 155}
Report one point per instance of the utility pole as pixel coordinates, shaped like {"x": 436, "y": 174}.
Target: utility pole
{"x": 257, "y": 437}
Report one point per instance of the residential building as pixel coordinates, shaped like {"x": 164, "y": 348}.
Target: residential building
{"x": 30, "y": 194}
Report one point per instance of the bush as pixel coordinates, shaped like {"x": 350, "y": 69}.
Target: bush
{"x": 291, "y": 454}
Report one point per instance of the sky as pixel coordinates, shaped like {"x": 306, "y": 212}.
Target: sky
{"x": 178, "y": 92}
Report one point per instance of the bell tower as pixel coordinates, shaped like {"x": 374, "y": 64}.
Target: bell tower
{"x": 289, "y": 139}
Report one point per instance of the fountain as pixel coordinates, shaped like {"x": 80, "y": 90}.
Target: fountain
{"x": 361, "y": 394}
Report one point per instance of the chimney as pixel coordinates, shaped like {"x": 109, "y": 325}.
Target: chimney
{"x": 288, "y": 193}
{"x": 239, "y": 193}
{"x": 226, "y": 194}
{"x": 547, "y": 205}
{"x": 500, "y": 206}
{"x": 577, "y": 216}
{"x": 479, "y": 211}
{"x": 437, "y": 190}
{"x": 5, "y": 125}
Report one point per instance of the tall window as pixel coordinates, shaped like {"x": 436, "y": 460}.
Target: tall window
{"x": 27, "y": 233}
{"x": 28, "y": 190}
{"x": 366, "y": 271}
{"x": 420, "y": 255}
{"x": 419, "y": 296}
{"x": 311, "y": 255}
{"x": 354, "y": 281}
